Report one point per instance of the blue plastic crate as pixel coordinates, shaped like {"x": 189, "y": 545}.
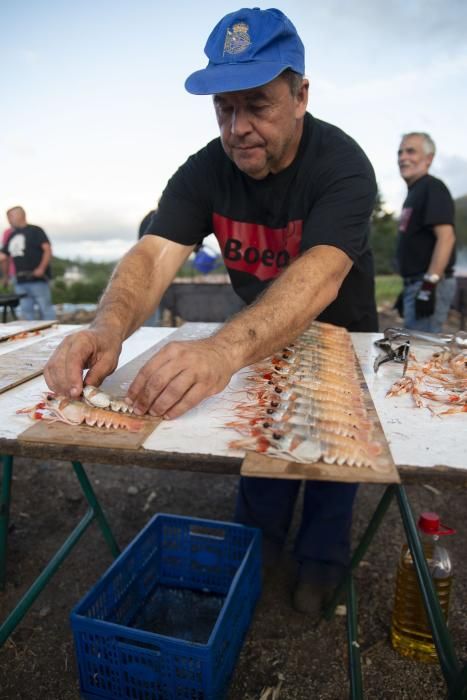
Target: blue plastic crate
{"x": 167, "y": 620}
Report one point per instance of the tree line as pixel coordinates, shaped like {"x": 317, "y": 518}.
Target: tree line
{"x": 383, "y": 239}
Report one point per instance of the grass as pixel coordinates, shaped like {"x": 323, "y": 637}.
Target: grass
{"x": 387, "y": 288}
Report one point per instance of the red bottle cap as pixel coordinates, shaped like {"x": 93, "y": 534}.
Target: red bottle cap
{"x": 431, "y": 525}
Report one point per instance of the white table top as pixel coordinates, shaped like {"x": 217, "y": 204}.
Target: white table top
{"x": 416, "y": 438}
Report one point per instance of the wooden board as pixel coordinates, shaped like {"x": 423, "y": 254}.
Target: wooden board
{"x": 22, "y": 364}
{"x": 256, "y": 464}
{"x": 9, "y": 330}
{"x": 116, "y": 384}
{"x": 87, "y": 436}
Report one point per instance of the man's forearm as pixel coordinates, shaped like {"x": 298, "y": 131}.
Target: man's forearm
{"x": 138, "y": 283}
{"x": 445, "y": 241}
{"x": 46, "y": 256}
{"x": 126, "y": 301}
{"x": 287, "y": 307}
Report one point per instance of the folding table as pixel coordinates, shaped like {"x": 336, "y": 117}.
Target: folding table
{"x": 202, "y": 455}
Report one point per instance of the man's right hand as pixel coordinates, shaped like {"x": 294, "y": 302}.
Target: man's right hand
{"x": 425, "y": 300}
{"x": 92, "y": 349}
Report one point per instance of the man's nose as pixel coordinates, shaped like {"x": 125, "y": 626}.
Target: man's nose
{"x": 240, "y": 122}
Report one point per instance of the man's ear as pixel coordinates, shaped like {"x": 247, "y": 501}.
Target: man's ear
{"x": 302, "y": 99}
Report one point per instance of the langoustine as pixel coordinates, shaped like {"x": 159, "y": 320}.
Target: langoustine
{"x": 305, "y": 404}
{"x": 441, "y": 379}
{"x": 95, "y": 396}
{"x": 75, "y": 412}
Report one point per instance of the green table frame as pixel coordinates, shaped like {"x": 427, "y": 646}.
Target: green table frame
{"x": 455, "y": 675}
{"x": 94, "y": 512}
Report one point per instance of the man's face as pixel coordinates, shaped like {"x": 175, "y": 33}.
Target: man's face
{"x": 261, "y": 128}
{"x": 16, "y": 218}
{"x": 412, "y": 159}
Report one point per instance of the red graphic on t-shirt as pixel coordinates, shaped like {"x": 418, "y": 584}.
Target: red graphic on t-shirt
{"x": 259, "y": 250}
{"x": 404, "y": 219}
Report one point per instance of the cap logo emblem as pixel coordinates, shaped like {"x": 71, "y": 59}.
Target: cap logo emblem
{"x": 237, "y": 39}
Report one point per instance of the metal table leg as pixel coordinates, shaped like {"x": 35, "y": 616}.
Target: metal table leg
{"x": 355, "y": 668}
{"x": 96, "y": 508}
{"x": 455, "y": 676}
{"x": 363, "y": 545}
{"x": 94, "y": 512}
{"x": 441, "y": 637}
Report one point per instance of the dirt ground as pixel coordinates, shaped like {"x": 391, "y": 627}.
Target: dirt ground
{"x": 283, "y": 651}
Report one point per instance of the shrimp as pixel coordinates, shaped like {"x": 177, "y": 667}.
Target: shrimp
{"x": 298, "y": 423}
{"x": 441, "y": 379}
{"x": 454, "y": 409}
{"x": 305, "y": 403}
{"x": 458, "y": 365}
{"x": 74, "y": 412}
{"x": 327, "y": 447}
{"x": 96, "y": 397}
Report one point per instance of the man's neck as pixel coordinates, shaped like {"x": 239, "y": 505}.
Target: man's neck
{"x": 411, "y": 181}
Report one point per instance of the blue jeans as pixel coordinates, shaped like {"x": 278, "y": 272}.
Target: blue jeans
{"x": 322, "y": 545}
{"x": 37, "y": 295}
{"x": 445, "y": 291}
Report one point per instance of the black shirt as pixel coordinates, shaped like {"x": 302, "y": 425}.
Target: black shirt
{"x": 324, "y": 197}
{"x": 145, "y": 223}
{"x": 25, "y": 247}
{"x": 428, "y": 204}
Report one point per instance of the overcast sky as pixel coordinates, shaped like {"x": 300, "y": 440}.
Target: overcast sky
{"x": 94, "y": 116}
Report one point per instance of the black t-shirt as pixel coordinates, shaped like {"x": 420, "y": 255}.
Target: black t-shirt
{"x": 428, "y": 203}
{"x": 145, "y": 223}
{"x": 25, "y": 247}
{"x": 324, "y": 197}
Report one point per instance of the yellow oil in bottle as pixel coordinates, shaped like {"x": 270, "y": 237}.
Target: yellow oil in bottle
{"x": 410, "y": 630}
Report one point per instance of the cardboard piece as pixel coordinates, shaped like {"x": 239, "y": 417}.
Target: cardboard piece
{"x": 22, "y": 364}
{"x": 12, "y": 328}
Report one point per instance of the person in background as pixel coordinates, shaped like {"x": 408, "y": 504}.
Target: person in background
{"x": 7, "y": 266}
{"x": 289, "y": 198}
{"x": 155, "y": 318}
{"x": 426, "y": 246}
{"x": 31, "y": 252}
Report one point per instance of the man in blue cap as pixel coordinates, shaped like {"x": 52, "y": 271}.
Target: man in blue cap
{"x": 289, "y": 198}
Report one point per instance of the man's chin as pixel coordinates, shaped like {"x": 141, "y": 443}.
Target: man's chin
{"x": 253, "y": 169}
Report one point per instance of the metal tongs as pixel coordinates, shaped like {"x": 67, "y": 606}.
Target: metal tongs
{"x": 395, "y": 344}
{"x": 452, "y": 341}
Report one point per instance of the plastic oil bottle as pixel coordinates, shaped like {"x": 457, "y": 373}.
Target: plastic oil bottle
{"x": 410, "y": 630}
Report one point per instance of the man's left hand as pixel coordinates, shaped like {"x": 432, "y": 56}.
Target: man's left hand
{"x": 179, "y": 377}
{"x": 425, "y": 300}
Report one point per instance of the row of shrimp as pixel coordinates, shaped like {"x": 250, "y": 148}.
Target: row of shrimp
{"x": 441, "y": 379}
{"x": 305, "y": 403}
{"x": 94, "y": 408}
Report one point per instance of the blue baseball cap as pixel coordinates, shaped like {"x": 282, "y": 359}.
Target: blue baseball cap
{"x": 246, "y": 49}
